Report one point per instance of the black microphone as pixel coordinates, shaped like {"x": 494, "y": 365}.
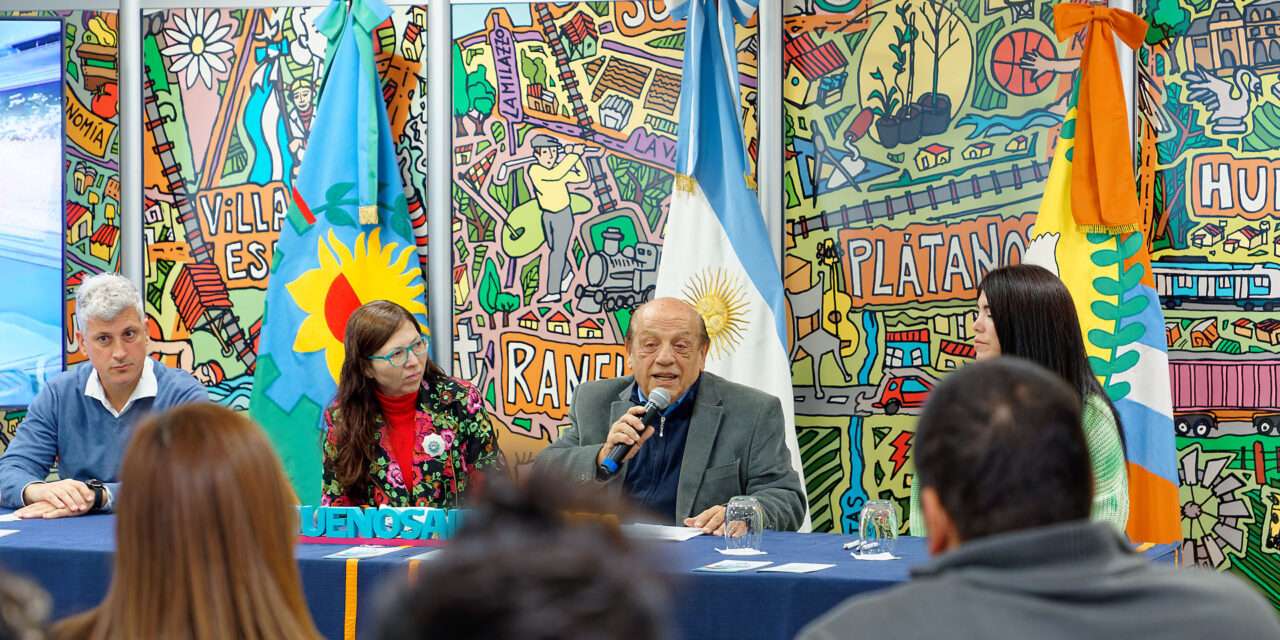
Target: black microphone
{"x": 653, "y": 408}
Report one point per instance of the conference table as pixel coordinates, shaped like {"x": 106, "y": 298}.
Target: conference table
{"x": 72, "y": 560}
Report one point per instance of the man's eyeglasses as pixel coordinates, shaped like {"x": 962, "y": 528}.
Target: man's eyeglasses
{"x": 400, "y": 357}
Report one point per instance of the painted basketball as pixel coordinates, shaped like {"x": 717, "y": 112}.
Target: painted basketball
{"x": 1007, "y": 55}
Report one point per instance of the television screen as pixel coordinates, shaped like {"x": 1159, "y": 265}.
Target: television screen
{"x": 31, "y": 178}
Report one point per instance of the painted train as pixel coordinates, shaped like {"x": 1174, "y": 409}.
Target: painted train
{"x": 1248, "y": 286}
{"x": 619, "y": 277}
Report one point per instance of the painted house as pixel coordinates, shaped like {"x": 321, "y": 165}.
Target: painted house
{"x": 977, "y": 150}
{"x": 932, "y": 156}
{"x": 1172, "y": 333}
{"x": 528, "y": 321}
{"x": 461, "y": 286}
{"x": 953, "y": 355}
{"x": 1268, "y": 331}
{"x": 558, "y": 323}
{"x": 1018, "y": 144}
{"x": 79, "y": 222}
{"x": 1244, "y": 238}
{"x": 579, "y": 36}
{"x": 103, "y": 242}
{"x": 615, "y": 112}
{"x": 589, "y": 330}
{"x": 906, "y": 348}
{"x": 807, "y": 63}
{"x": 1243, "y": 328}
{"x": 1204, "y": 334}
{"x": 1206, "y": 236}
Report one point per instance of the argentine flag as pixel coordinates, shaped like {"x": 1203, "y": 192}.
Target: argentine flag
{"x": 716, "y": 253}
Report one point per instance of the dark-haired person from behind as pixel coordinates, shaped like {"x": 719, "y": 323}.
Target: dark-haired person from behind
{"x": 1006, "y": 492}
{"x": 1027, "y": 312}
{"x": 535, "y": 563}
{"x": 400, "y": 432}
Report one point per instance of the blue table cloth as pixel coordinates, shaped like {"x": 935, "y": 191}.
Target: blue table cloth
{"x": 72, "y": 560}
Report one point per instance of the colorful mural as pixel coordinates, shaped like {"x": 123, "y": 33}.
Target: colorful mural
{"x": 918, "y": 139}
{"x": 227, "y": 107}
{"x": 564, "y": 143}
{"x": 90, "y": 163}
{"x": 1209, "y": 98}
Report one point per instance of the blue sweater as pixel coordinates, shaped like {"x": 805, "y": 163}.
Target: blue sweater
{"x": 88, "y": 442}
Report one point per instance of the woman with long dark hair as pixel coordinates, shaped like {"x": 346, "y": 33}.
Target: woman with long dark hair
{"x": 400, "y": 432}
{"x": 1026, "y": 311}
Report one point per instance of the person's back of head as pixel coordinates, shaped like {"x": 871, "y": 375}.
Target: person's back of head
{"x": 532, "y": 562}
{"x": 24, "y": 609}
{"x": 999, "y": 448}
{"x": 206, "y": 525}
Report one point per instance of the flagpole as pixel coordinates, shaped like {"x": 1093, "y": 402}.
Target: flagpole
{"x": 130, "y": 142}
{"x": 769, "y": 122}
{"x": 439, "y": 205}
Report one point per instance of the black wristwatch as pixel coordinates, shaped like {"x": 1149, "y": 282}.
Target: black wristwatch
{"x": 99, "y": 494}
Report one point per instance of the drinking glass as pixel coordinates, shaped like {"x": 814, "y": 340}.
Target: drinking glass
{"x": 878, "y": 527}
{"x": 743, "y": 523}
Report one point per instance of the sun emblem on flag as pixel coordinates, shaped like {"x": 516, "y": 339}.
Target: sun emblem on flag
{"x": 342, "y": 282}
{"x": 722, "y": 302}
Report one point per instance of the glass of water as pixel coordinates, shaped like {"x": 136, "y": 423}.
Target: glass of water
{"x": 878, "y": 527}
{"x": 743, "y": 523}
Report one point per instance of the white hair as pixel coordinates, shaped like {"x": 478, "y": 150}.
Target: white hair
{"x": 104, "y": 297}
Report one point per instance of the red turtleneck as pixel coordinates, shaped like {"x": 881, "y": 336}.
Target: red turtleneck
{"x": 399, "y": 412}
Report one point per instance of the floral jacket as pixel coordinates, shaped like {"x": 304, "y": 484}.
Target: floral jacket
{"x": 454, "y": 439}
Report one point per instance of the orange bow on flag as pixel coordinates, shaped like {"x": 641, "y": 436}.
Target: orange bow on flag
{"x": 1103, "y": 196}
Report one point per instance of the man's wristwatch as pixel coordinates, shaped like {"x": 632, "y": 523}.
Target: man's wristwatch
{"x": 99, "y": 495}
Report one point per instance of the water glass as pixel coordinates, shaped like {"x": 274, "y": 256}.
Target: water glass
{"x": 878, "y": 527}
{"x": 743, "y": 523}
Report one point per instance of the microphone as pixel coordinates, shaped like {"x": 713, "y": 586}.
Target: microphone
{"x": 653, "y": 408}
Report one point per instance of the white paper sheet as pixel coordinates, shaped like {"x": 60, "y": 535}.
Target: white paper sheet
{"x": 734, "y": 566}
{"x": 364, "y": 551}
{"x": 799, "y": 567}
{"x": 883, "y": 555}
{"x": 661, "y": 532}
{"x": 741, "y": 552}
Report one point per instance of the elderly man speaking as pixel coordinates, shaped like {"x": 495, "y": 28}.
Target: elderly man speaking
{"x": 716, "y": 439}
{"x": 84, "y": 417}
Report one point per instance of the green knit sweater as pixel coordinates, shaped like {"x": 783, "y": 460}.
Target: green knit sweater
{"x": 1110, "y": 475}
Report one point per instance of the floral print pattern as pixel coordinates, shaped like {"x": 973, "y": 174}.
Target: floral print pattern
{"x": 450, "y": 412}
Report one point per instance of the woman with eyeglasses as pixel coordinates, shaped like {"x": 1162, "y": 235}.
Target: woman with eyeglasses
{"x": 400, "y": 432}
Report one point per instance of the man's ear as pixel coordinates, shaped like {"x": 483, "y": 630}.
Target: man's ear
{"x": 943, "y": 535}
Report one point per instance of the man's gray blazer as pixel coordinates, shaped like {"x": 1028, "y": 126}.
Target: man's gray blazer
{"x": 735, "y": 446}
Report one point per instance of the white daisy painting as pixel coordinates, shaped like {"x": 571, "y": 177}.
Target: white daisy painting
{"x": 198, "y": 43}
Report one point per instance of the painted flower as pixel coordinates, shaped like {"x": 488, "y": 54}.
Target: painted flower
{"x": 473, "y": 399}
{"x": 343, "y": 280}
{"x": 197, "y": 44}
{"x": 395, "y": 476}
{"x": 448, "y": 438}
{"x": 434, "y": 444}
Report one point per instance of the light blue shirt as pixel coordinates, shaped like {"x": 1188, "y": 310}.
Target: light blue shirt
{"x": 69, "y": 421}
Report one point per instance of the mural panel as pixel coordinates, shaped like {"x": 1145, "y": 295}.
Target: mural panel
{"x": 552, "y": 252}
{"x": 228, "y": 102}
{"x": 918, "y": 139}
{"x": 1209, "y": 93}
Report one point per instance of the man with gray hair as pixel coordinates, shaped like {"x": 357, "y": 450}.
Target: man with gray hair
{"x": 83, "y": 418}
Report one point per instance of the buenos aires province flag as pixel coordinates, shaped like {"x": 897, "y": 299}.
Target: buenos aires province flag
{"x": 1090, "y": 233}
{"x": 716, "y": 253}
{"x": 347, "y": 241}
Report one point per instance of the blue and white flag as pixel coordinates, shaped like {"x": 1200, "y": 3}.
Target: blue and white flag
{"x": 716, "y": 253}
